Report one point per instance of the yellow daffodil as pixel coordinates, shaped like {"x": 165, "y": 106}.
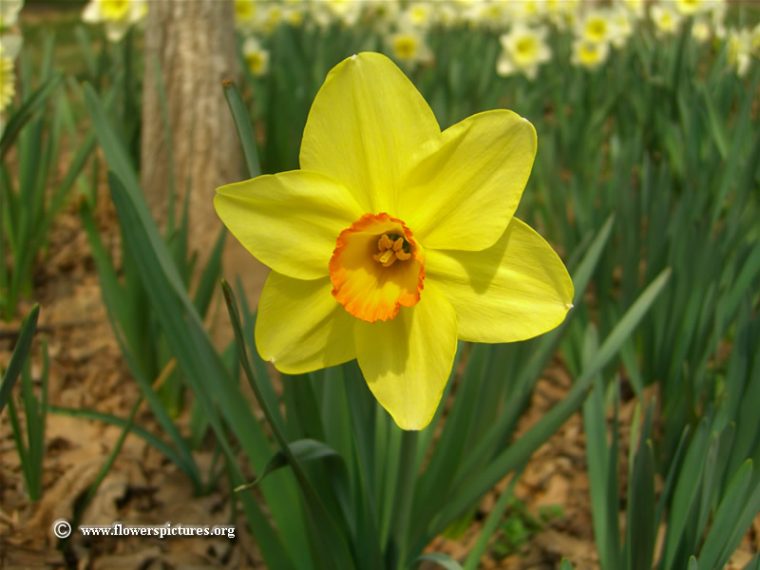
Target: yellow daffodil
{"x": 395, "y": 239}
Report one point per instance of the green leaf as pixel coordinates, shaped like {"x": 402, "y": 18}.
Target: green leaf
{"x": 25, "y": 113}
{"x": 685, "y": 494}
{"x": 20, "y": 353}
{"x": 210, "y": 275}
{"x": 244, "y": 128}
{"x": 641, "y": 528}
{"x": 739, "y": 507}
{"x": 520, "y": 451}
{"x": 330, "y": 533}
{"x": 303, "y": 450}
{"x": 491, "y": 525}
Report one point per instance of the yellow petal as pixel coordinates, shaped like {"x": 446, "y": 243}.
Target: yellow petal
{"x": 463, "y": 194}
{"x": 300, "y": 327}
{"x": 514, "y": 290}
{"x": 407, "y": 361}
{"x": 363, "y": 128}
{"x": 288, "y": 221}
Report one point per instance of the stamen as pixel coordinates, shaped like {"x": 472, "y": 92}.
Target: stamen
{"x": 386, "y": 258}
{"x": 384, "y": 243}
{"x": 391, "y": 247}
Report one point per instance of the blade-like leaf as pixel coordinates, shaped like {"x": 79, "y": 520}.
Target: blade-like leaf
{"x": 20, "y": 353}
{"x": 303, "y": 450}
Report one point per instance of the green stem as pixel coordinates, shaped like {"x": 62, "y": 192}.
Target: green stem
{"x": 402, "y": 507}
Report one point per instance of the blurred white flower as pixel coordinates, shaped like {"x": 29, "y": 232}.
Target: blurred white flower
{"x": 754, "y": 41}
{"x": 589, "y": 54}
{"x": 408, "y": 46}
{"x": 666, "y": 19}
{"x": 527, "y": 11}
{"x": 256, "y": 57}
{"x": 524, "y": 49}
{"x": 493, "y": 14}
{"x": 9, "y": 10}
{"x": 11, "y": 44}
{"x": 117, "y": 15}
{"x": 246, "y": 12}
{"x": 7, "y": 80}
{"x": 622, "y": 27}
{"x": 637, "y": 8}
{"x": 418, "y": 15}
{"x": 562, "y": 13}
{"x": 738, "y": 44}
{"x": 691, "y": 7}
{"x": 596, "y": 26}
{"x": 346, "y": 12}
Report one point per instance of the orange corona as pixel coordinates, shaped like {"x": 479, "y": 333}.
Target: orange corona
{"x": 376, "y": 268}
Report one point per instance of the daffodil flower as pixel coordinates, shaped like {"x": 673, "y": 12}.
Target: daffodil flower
{"x": 395, "y": 239}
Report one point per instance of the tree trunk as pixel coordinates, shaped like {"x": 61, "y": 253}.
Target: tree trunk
{"x": 191, "y": 45}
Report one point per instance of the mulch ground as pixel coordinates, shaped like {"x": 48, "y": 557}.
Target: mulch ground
{"x": 550, "y": 519}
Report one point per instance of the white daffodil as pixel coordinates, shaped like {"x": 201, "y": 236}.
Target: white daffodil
{"x": 622, "y": 25}
{"x": 11, "y": 43}
{"x": 527, "y": 11}
{"x": 116, "y": 15}
{"x": 492, "y": 14}
{"x": 408, "y": 46}
{"x": 562, "y": 13}
{"x": 9, "y": 10}
{"x": 256, "y": 57}
{"x": 524, "y": 49}
{"x": 346, "y": 12}
{"x": 666, "y": 19}
{"x": 7, "y": 80}
{"x": 246, "y": 12}
{"x": 739, "y": 54}
{"x": 691, "y": 7}
{"x": 589, "y": 54}
{"x": 637, "y": 8}
{"x": 754, "y": 41}
{"x": 420, "y": 15}
{"x": 596, "y": 26}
